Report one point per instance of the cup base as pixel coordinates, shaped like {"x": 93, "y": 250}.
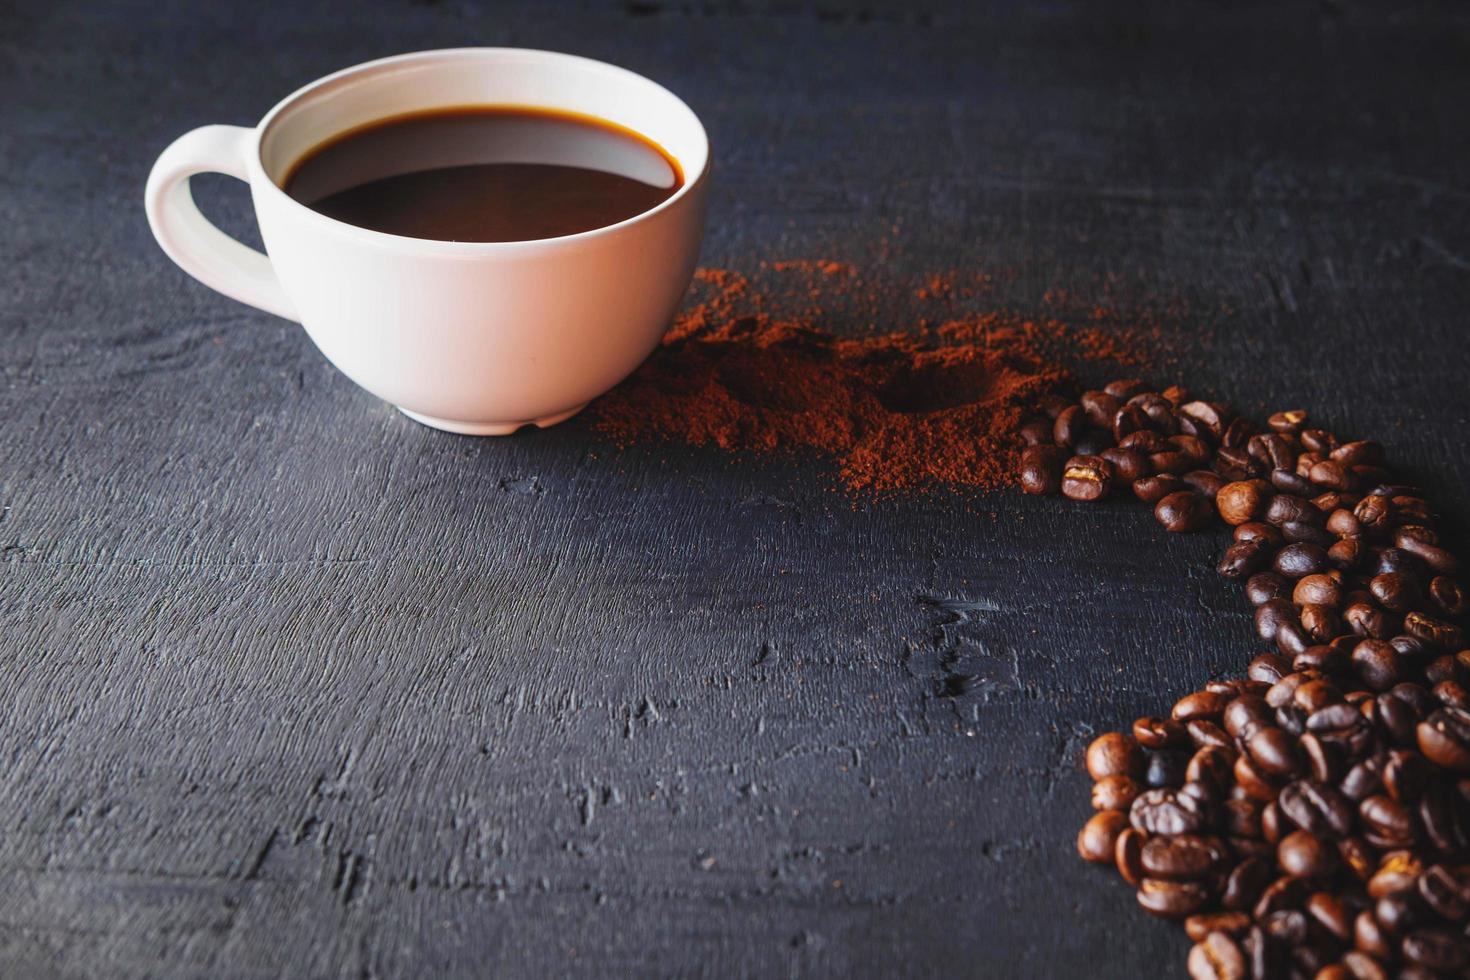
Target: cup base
{"x": 489, "y": 428}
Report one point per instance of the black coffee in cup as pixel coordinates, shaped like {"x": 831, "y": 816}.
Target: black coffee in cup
{"x": 485, "y": 174}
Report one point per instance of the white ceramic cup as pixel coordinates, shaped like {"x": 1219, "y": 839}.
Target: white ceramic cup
{"x": 478, "y": 338}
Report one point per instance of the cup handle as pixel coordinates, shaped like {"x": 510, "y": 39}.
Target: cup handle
{"x": 188, "y": 237}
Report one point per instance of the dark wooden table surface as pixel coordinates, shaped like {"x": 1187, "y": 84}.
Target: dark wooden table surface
{"x": 295, "y": 687}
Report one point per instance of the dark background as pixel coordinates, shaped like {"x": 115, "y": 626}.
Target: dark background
{"x": 296, "y": 687}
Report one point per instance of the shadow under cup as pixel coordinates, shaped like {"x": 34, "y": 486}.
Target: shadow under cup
{"x": 482, "y": 337}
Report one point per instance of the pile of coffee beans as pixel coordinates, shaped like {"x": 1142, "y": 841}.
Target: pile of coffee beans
{"x": 1311, "y": 819}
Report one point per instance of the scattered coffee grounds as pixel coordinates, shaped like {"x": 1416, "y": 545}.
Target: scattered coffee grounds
{"x": 1311, "y": 819}
{"x": 936, "y": 403}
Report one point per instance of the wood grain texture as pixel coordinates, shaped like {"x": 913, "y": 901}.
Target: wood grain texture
{"x": 298, "y": 688}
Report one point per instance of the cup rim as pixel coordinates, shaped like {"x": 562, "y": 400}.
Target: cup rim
{"x": 269, "y": 187}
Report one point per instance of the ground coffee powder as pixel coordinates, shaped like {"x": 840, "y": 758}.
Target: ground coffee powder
{"x": 937, "y": 402}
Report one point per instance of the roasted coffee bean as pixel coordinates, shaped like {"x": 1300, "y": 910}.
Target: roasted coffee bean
{"x": 1160, "y": 733}
{"x": 1285, "y": 892}
{"x": 1376, "y": 664}
{"x": 1318, "y": 440}
{"x": 1206, "y": 705}
{"x": 1446, "y": 894}
{"x": 1274, "y": 451}
{"x": 1357, "y": 857}
{"x": 1230, "y": 923}
{"x": 1395, "y": 592}
{"x": 1186, "y": 857}
{"x": 1398, "y": 912}
{"x": 1345, "y": 555}
{"x": 1445, "y": 668}
{"x": 1282, "y": 692}
{"x": 1366, "y": 619}
{"x": 1203, "y": 419}
{"x": 1252, "y": 780}
{"x": 1266, "y": 534}
{"x": 1406, "y": 775}
{"x": 1301, "y": 559}
{"x": 1376, "y": 515}
{"x": 1331, "y": 913}
{"x": 1115, "y": 792}
{"x": 1291, "y": 718}
{"x": 1420, "y": 542}
{"x": 1128, "y": 855}
{"x": 1444, "y": 738}
{"x": 1361, "y": 966}
{"x": 1333, "y": 475}
{"x": 1318, "y": 590}
{"x": 1436, "y": 632}
{"x": 1295, "y": 532}
{"x": 1289, "y": 481}
{"x": 1238, "y": 433}
{"x": 1387, "y": 822}
{"x": 1449, "y": 596}
{"x": 1242, "y": 501}
{"x": 1369, "y": 936}
{"x": 1165, "y": 768}
{"x": 1290, "y": 421}
{"x": 1204, "y": 733}
{"x": 1302, "y": 854}
{"x": 1330, "y": 718}
{"x": 1323, "y": 759}
{"x": 1363, "y": 452}
{"x": 1363, "y": 779}
{"x": 1398, "y": 871}
{"x": 1211, "y": 765}
{"x": 1184, "y": 511}
{"x": 1069, "y": 426}
{"x": 1152, "y": 489}
{"x": 1087, "y": 478}
{"x": 1041, "y": 469}
{"x": 1271, "y": 615}
{"x": 1217, "y": 957}
{"x": 1128, "y": 464}
{"x": 1099, "y": 407}
{"x": 1171, "y": 899}
{"x": 1159, "y": 410}
{"x": 1324, "y": 657}
{"x": 1452, "y": 694}
{"x": 1333, "y": 500}
{"x": 1234, "y": 463}
{"x": 1396, "y": 718}
{"x": 1292, "y": 639}
{"x": 1397, "y": 560}
{"x": 1285, "y": 508}
{"x": 1321, "y": 623}
{"x": 1206, "y": 483}
{"x": 1099, "y": 836}
{"x": 1274, "y": 752}
{"x": 1126, "y": 388}
{"x": 1268, "y": 668}
{"x": 1114, "y": 754}
{"x": 1343, "y": 523}
{"x": 1245, "y": 883}
{"x": 1265, "y": 586}
{"x": 1195, "y": 448}
{"x": 1242, "y": 559}
{"x": 1145, "y": 441}
{"x": 1245, "y": 715}
{"x": 1435, "y": 949}
{"x": 1171, "y": 460}
{"x": 1166, "y": 811}
{"x": 1316, "y": 807}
